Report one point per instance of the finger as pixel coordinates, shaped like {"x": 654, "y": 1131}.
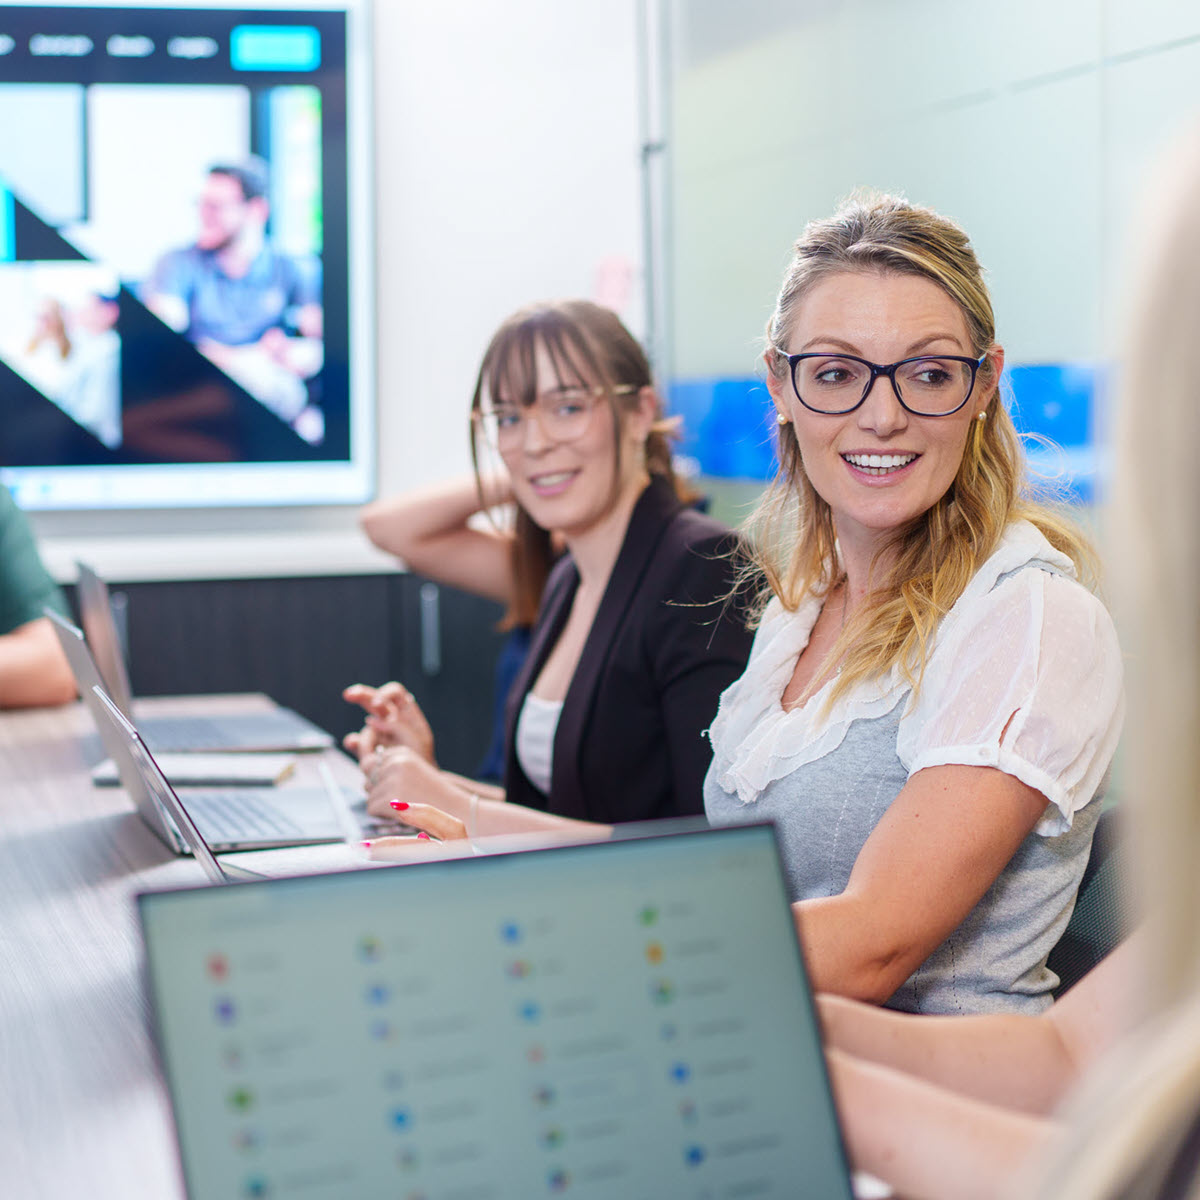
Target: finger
{"x": 406, "y": 725}
{"x": 360, "y": 694}
{"x": 389, "y": 697}
{"x": 373, "y": 763}
{"x": 379, "y": 804}
{"x": 399, "y": 849}
{"x": 367, "y": 744}
{"x": 360, "y": 741}
{"x": 383, "y": 722}
{"x": 432, "y": 820}
{"x": 409, "y": 713}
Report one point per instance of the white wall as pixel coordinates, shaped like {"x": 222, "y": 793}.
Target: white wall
{"x": 1031, "y": 123}
{"x": 507, "y": 170}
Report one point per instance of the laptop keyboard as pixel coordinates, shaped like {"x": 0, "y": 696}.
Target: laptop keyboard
{"x": 251, "y": 729}
{"x": 238, "y": 816}
{"x": 186, "y": 733}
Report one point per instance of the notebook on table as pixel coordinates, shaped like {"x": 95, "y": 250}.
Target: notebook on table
{"x": 629, "y": 1018}
{"x": 196, "y": 768}
{"x": 280, "y": 729}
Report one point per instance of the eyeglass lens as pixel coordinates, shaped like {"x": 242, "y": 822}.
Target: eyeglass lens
{"x": 932, "y": 386}
{"x": 563, "y": 415}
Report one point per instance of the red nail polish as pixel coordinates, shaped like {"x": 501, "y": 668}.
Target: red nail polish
{"x": 399, "y": 805}
{"x": 365, "y": 845}
{"x": 424, "y": 835}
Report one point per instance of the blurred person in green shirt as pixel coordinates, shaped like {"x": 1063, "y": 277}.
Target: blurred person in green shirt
{"x": 33, "y": 670}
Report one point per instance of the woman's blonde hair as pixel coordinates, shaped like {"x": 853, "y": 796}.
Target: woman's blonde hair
{"x": 1129, "y": 1122}
{"x": 931, "y": 559}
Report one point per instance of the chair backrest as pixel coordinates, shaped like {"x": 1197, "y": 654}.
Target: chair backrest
{"x": 1103, "y": 907}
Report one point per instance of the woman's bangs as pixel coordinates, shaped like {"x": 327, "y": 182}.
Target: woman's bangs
{"x": 510, "y": 376}
{"x": 571, "y": 357}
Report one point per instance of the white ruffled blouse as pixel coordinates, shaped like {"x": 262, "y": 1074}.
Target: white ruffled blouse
{"x": 1032, "y": 650}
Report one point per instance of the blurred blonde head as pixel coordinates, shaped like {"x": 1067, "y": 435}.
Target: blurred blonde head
{"x": 1127, "y": 1121}
{"x": 1156, "y": 531}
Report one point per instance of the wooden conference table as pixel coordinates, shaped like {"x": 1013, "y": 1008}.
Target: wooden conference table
{"x": 81, "y": 1110}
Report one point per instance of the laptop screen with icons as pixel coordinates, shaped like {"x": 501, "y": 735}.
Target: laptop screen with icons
{"x": 627, "y": 1018}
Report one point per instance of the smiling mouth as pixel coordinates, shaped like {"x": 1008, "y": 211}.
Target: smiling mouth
{"x": 552, "y": 481}
{"x": 879, "y": 464}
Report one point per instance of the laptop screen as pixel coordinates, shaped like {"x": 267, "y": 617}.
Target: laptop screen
{"x": 627, "y": 1018}
{"x": 95, "y": 615}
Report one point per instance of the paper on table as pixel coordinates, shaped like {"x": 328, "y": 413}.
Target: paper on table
{"x": 210, "y": 770}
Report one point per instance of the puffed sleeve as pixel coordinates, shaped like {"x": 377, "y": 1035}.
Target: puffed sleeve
{"x": 698, "y": 644}
{"x": 1029, "y": 680}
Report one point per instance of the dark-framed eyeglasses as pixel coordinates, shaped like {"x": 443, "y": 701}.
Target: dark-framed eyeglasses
{"x": 564, "y": 415}
{"x": 930, "y": 385}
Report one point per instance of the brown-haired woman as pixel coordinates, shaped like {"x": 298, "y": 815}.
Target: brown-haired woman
{"x": 932, "y": 700}
{"x": 632, "y": 640}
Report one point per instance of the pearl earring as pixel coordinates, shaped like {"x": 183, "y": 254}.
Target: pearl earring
{"x": 780, "y": 419}
{"x": 981, "y": 416}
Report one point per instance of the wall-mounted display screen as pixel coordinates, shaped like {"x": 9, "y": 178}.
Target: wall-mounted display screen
{"x": 185, "y": 311}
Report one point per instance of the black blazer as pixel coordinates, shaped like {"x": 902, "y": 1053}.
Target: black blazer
{"x": 662, "y": 648}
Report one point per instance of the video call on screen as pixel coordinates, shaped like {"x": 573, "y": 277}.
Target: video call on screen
{"x": 126, "y": 339}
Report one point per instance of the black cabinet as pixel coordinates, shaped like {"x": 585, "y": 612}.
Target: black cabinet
{"x": 302, "y": 640}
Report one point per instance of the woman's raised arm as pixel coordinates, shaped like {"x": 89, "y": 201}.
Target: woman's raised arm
{"x": 430, "y": 530}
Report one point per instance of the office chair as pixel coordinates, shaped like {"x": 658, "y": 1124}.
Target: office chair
{"x": 1103, "y": 907}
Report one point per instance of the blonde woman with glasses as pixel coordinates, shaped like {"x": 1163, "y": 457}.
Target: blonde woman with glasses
{"x": 633, "y": 639}
{"x": 933, "y": 697}
{"x": 990, "y": 1107}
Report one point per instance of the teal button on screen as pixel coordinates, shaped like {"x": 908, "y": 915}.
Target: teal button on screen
{"x": 8, "y": 237}
{"x": 275, "y": 48}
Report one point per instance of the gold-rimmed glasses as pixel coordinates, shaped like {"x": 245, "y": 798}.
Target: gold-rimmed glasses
{"x": 563, "y": 414}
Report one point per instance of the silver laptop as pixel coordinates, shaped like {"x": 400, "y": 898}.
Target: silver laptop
{"x": 229, "y": 818}
{"x": 626, "y": 1019}
{"x": 280, "y": 729}
{"x": 248, "y": 818}
{"x": 224, "y": 819}
{"x": 152, "y": 791}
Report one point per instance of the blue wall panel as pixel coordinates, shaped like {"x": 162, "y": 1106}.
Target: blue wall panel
{"x": 729, "y": 425}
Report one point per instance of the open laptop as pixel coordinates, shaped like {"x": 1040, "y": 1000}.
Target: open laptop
{"x": 629, "y": 1018}
{"x": 231, "y": 818}
{"x": 154, "y": 791}
{"x": 191, "y": 768}
{"x": 279, "y": 729}
{"x": 249, "y": 818}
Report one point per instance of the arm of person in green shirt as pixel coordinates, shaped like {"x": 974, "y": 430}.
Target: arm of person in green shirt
{"x": 33, "y": 669}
